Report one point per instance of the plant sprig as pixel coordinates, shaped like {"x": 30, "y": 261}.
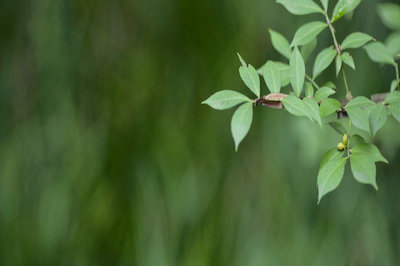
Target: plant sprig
{"x": 308, "y": 99}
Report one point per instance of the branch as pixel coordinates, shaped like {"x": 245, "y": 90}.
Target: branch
{"x": 274, "y": 100}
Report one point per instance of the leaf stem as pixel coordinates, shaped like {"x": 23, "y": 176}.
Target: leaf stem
{"x": 349, "y": 138}
{"x": 339, "y": 50}
{"x": 332, "y": 29}
{"x": 397, "y": 75}
{"x": 312, "y": 82}
{"x": 348, "y": 96}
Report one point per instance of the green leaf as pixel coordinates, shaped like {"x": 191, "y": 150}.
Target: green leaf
{"x": 309, "y": 89}
{"x": 323, "y": 93}
{"x": 225, "y": 99}
{"x": 356, "y": 40}
{"x": 395, "y": 111}
{"x": 323, "y": 60}
{"x": 338, "y": 64}
{"x": 358, "y": 111}
{"x": 330, "y": 175}
{"x": 363, "y": 169}
{"x": 280, "y": 43}
{"x": 294, "y": 105}
{"x": 348, "y": 60}
{"x": 241, "y": 60}
{"x": 325, "y": 4}
{"x": 330, "y": 84}
{"x": 377, "y": 118}
{"x": 272, "y": 77}
{"x": 312, "y": 110}
{"x": 393, "y": 101}
{"x": 393, "y": 43}
{"x": 330, "y": 155}
{"x": 390, "y": 15}
{"x": 359, "y": 117}
{"x": 300, "y": 7}
{"x": 339, "y": 128}
{"x": 394, "y": 85}
{"x": 250, "y": 77}
{"x": 367, "y": 149}
{"x": 284, "y": 69}
{"x": 308, "y": 32}
{"x": 307, "y": 49}
{"x": 306, "y": 107}
{"x": 343, "y": 7}
{"x": 241, "y": 122}
{"x": 329, "y": 106}
{"x": 297, "y": 71}
{"x": 378, "y": 52}
{"x": 360, "y": 102}
{"x": 393, "y": 98}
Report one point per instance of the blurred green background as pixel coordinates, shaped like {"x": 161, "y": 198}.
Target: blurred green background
{"x": 108, "y": 157}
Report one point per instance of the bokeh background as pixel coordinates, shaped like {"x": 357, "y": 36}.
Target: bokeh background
{"x": 107, "y": 156}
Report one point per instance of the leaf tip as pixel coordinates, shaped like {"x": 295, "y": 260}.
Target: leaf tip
{"x": 236, "y": 146}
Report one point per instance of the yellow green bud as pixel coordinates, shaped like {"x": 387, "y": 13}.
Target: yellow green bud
{"x": 345, "y": 139}
{"x": 340, "y": 147}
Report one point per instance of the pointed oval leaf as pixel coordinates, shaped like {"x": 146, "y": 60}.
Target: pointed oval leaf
{"x": 363, "y": 169}
{"x": 394, "y": 85}
{"x": 306, "y": 50}
{"x": 395, "y": 111}
{"x": 378, "y": 53}
{"x": 343, "y": 7}
{"x": 325, "y": 4}
{"x": 359, "y": 117}
{"x": 377, "y": 118}
{"x": 330, "y": 176}
{"x": 250, "y": 77}
{"x": 360, "y": 102}
{"x": 309, "y": 89}
{"x": 329, "y": 106}
{"x": 323, "y": 93}
{"x": 294, "y": 105}
{"x": 330, "y": 84}
{"x": 338, "y": 64}
{"x": 312, "y": 110}
{"x": 300, "y": 7}
{"x": 348, "y": 60}
{"x": 393, "y": 98}
{"x": 393, "y": 43}
{"x": 241, "y": 122}
{"x": 393, "y": 101}
{"x": 390, "y": 15}
{"x": 367, "y": 149}
{"x": 272, "y": 77}
{"x": 323, "y": 60}
{"x": 284, "y": 70}
{"x": 297, "y": 71}
{"x": 356, "y": 40}
{"x": 306, "y": 33}
{"x": 330, "y": 155}
{"x": 225, "y": 99}
{"x": 280, "y": 43}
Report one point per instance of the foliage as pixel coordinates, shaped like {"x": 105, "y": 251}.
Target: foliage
{"x": 306, "y": 98}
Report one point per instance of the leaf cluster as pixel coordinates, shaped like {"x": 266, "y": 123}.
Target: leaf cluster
{"x": 305, "y": 98}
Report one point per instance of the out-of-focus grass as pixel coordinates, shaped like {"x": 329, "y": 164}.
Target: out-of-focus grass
{"x": 108, "y": 158}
